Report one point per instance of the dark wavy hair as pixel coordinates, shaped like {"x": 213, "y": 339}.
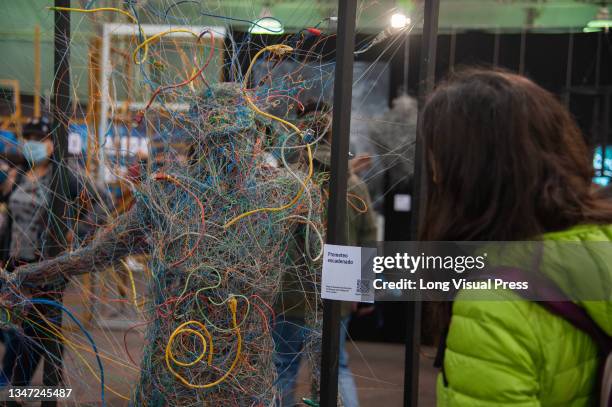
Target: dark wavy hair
{"x": 505, "y": 161}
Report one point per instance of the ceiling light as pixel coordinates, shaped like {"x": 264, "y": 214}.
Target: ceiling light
{"x": 602, "y": 21}
{"x": 599, "y": 24}
{"x": 266, "y": 24}
{"x": 399, "y": 20}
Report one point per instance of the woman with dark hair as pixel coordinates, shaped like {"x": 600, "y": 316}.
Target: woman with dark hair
{"x": 506, "y": 162}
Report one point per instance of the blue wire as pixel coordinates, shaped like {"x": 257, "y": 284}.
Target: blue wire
{"x": 87, "y": 334}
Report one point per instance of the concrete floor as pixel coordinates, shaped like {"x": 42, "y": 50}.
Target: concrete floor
{"x": 378, "y": 368}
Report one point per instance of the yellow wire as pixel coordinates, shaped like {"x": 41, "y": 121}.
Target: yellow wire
{"x": 200, "y": 356}
{"x": 86, "y": 348}
{"x": 131, "y": 276}
{"x": 233, "y": 305}
{"x": 8, "y": 315}
{"x": 116, "y": 10}
{"x": 146, "y": 42}
{"x": 364, "y": 205}
{"x": 120, "y": 284}
{"x": 73, "y": 347}
{"x": 278, "y": 49}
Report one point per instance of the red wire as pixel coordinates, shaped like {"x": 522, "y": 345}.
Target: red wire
{"x": 268, "y": 307}
{"x": 127, "y": 352}
{"x": 314, "y": 31}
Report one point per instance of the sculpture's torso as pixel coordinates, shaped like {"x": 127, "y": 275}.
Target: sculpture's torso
{"x": 197, "y": 266}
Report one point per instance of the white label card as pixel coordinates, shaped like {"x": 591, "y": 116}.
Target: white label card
{"x": 344, "y": 277}
{"x": 402, "y": 203}
{"x": 74, "y": 143}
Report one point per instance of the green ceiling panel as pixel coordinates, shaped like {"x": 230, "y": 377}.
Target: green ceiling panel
{"x": 19, "y": 17}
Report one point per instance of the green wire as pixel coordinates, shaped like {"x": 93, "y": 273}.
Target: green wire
{"x": 309, "y": 402}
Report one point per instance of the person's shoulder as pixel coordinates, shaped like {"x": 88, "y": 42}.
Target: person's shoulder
{"x": 501, "y": 307}
{"x": 582, "y": 233}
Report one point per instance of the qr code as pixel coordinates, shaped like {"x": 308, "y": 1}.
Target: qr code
{"x": 363, "y": 286}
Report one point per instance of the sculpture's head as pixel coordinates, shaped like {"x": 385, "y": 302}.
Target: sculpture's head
{"x": 222, "y": 112}
{"x": 224, "y": 132}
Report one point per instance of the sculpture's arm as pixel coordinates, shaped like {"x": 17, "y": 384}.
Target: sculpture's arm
{"x": 123, "y": 237}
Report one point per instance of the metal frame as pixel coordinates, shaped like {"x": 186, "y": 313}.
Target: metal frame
{"x": 336, "y": 209}
{"x": 337, "y": 205}
{"x": 37, "y": 85}
{"x": 427, "y": 76}
{"x": 61, "y": 109}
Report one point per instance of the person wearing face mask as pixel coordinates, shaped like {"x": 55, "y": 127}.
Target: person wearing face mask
{"x": 27, "y": 240}
{"x": 29, "y": 200}
{"x": 12, "y": 160}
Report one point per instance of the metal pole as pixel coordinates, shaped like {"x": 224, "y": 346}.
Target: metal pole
{"x": 406, "y": 62}
{"x": 568, "y": 69}
{"x": 453, "y": 50}
{"x": 61, "y": 109}
{"x": 496, "y": 41}
{"x": 598, "y": 61}
{"x": 37, "y": 71}
{"x": 427, "y": 78}
{"x": 522, "y": 51}
{"x": 336, "y": 209}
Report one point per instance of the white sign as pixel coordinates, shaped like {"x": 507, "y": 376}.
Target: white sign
{"x": 74, "y": 143}
{"x": 343, "y": 278}
{"x": 402, "y": 203}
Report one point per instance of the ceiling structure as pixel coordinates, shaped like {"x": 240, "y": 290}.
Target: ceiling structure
{"x": 508, "y": 15}
{"x": 516, "y": 15}
{"x": 19, "y": 17}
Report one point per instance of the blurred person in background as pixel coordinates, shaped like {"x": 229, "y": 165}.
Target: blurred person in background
{"x": 290, "y": 332}
{"x": 506, "y": 162}
{"x": 11, "y": 156}
{"x": 8, "y": 175}
{"x": 27, "y": 239}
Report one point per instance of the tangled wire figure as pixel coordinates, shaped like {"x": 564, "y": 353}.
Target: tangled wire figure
{"x": 220, "y": 230}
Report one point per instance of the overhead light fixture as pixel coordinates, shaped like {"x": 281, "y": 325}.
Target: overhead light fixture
{"x": 399, "y": 20}
{"x": 266, "y": 24}
{"x": 602, "y": 21}
{"x": 599, "y": 24}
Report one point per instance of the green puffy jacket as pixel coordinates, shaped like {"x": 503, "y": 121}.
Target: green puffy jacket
{"x": 513, "y": 352}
